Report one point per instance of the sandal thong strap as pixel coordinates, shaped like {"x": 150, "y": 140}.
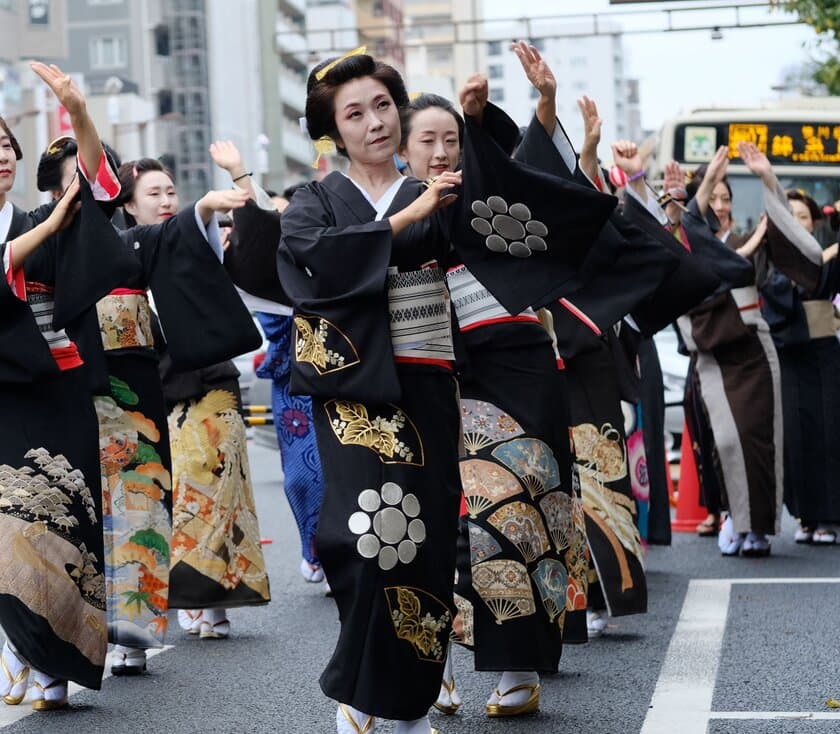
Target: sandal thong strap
{"x": 365, "y": 728}
{"x": 14, "y": 680}
{"x": 532, "y": 688}
{"x": 55, "y": 682}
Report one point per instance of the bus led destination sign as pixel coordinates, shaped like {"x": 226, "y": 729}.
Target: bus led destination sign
{"x": 783, "y": 143}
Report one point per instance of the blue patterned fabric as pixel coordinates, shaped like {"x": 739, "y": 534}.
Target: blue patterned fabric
{"x": 295, "y": 433}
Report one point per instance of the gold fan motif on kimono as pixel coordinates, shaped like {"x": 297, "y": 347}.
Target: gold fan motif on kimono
{"x": 505, "y": 588}
{"x": 522, "y": 525}
{"x": 576, "y": 559}
{"x": 394, "y": 439}
{"x": 552, "y": 581}
{"x": 532, "y": 461}
{"x": 323, "y": 345}
{"x": 601, "y": 451}
{"x": 486, "y": 484}
{"x": 421, "y": 620}
{"x": 557, "y": 508}
{"x": 484, "y": 424}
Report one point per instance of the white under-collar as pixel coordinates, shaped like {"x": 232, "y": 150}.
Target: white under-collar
{"x": 6, "y": 220}
{"x": 384, "y": 203}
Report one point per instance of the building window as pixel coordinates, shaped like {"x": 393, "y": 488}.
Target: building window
{"x": 494, "y": 48}
{"x": 539, "y": 44}
{"x": 496, "y": 71}
{"x": 441, "y": 54}
{"x": 578, "y": 61}
{"x": 497, "y": 94}
{"x": 108, "y": 52}
{"x": 39, "y": 12}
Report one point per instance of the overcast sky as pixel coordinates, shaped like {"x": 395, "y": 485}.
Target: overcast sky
{"x": 688, "y": 69}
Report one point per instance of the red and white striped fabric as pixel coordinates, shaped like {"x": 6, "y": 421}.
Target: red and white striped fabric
{"x": 106, "y": 185}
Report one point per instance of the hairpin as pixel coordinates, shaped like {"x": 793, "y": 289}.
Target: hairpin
{"x": 321, "y": 73}
{"x": 134, "y": 171}
{"x": 57, "y": 144}
{"x": 323, "y": 146}
{"x": 415, "y": 95}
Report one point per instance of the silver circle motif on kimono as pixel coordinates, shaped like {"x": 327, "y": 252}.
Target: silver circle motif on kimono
{"x": 369, "y": 500}
{"x": 383, "y": 529}
{"x": 508, "y": 229}
{"x": 359, "y": 523}
{"x": 368, "y": 546}
{"x": 411, "y": 505}
{"x": 388, "y": 558}
{"x": 417, "y": 531}
{"x": 390, "y": 525}
{"x": 391, "y": 493}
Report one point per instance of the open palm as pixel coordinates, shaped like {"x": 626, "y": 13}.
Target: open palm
{"x": 536, "y": 69}
{"x": 62, "y": 86}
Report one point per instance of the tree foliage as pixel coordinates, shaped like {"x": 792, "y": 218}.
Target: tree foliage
{"x": 824, "y": 17}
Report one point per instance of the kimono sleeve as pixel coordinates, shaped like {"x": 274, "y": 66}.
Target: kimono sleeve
{"x": 790, "y": 247}
{"x": 685, "y": 287}
{"x": 24, "y": 354}
{"x": 335, "y": 277}
{"x": 521, "y": 231}
{"x": 91, "y": 260}
{"x": 251, "y": 256}
{"x": 202, "y": 315}
{"x": 733, "y": 270}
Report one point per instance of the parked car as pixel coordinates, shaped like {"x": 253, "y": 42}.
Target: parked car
{"x": 674, "y": 371}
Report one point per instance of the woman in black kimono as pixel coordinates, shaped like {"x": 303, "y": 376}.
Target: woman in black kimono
{"x": 804, "y": 328}
{"x": 359, "y": 257}
{"x": 133, "y": 436}
{"x": 216, "y": 557}
{"x": 516, "y": 472}
{"x": 52, "y": 585}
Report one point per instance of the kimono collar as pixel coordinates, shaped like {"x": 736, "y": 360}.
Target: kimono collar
{"x": 6, "y": 220}
{"x": 384, "y": 203}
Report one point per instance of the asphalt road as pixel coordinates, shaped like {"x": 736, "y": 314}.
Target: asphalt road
{"x": 778, "y": 652}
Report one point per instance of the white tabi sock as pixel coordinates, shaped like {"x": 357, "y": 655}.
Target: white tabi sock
{"x": 418, "y": 726}
{"x": 511, "y": 679}
{"x": 344, "y": 725}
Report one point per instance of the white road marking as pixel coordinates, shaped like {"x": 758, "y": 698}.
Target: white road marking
{"x": 11, "y": 714}
{"x": 682, "y": 699}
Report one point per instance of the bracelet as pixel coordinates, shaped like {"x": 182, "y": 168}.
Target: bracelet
{"x": 636, "y": 176}
{"x": 244, "y": 175}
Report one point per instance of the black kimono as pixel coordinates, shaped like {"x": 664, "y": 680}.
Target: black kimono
{"x": 372, "y": 345}
{"x": 52, "y": 585}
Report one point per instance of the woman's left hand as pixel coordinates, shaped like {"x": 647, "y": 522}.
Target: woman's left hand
{"x": 755, "y": 160}
{"x": 220, "y": 201}
{"x": 62, "y": 86}
{"x": 536, "y": 69}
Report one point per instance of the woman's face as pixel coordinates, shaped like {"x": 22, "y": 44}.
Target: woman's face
{"x": 8, "y": 164}
{"x": 721, "y": 203}
{"x": 433, "y": 145}
{"x": 803, "y": 214}
{"x": 154, "y": 200}
{"x": 368, "y": 121}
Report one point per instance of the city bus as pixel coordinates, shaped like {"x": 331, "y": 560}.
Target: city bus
{"x": 801, "y": 137}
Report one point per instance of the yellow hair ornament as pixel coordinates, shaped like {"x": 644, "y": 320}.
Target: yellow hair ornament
{"x": 415, "y": 95}
{"x": 59, "y": 143}
{"x": 321, "y": 73}
{"x": 323, "y": 146}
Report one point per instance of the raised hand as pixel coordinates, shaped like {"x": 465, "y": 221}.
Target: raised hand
{"x": 536, "y": 69}
{"x": 673, "y": 178}
{"x": 62, "y": 86}
{"x": 591, "y": 122}
{"x": 227, "y": 156}
{"x": 474, "y": 95}
{"x": 627, "y": 157}
{"x": 717, "y": 167}
{"x": 755, "y": 160}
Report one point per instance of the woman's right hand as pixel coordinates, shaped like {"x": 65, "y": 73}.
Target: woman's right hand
{"x": 227, "y": 156}
{"x": 438, "y": 195}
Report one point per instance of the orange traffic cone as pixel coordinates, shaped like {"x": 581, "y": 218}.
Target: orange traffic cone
{"x": 689, "y": 510}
